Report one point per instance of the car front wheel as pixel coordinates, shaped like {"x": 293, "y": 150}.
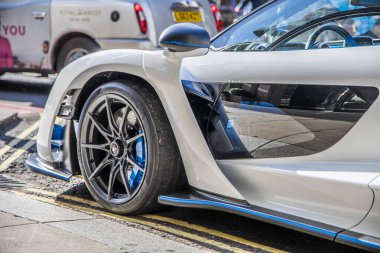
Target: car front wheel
{"x": 126, "y": 149}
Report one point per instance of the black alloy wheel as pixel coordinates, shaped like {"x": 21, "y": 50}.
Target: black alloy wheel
{"x": 127, "y": 151}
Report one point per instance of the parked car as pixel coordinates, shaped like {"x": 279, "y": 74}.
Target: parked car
{"x": 44, "y": 36}
{"x": 277, "y": 119}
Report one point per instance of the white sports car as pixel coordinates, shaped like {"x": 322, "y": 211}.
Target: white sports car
{"x": 277, "y": 118}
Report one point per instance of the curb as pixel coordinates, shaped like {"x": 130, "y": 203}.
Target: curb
{"x": 5, "y": 122}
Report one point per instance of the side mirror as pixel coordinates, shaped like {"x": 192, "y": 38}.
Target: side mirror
{"x": 185, "y": 39}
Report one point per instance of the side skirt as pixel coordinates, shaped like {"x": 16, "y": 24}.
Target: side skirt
{"x": 365, "y": 242}
{"x": 197, "y": 199}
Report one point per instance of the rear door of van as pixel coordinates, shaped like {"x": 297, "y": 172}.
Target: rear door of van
{"x": 165, "y": 13}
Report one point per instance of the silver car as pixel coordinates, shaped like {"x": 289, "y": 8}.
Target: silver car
{"x": 45, "y": 35}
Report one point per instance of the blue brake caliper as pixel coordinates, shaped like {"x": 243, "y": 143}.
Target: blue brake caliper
{"x": 137, "y": 175}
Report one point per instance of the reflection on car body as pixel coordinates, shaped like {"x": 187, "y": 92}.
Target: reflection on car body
{"x": 284, "y": 120}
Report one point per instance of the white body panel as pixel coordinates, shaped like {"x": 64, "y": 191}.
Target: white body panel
{"x": 371, "y": 224}
{"x": 201, "y": 168}
{"x": 330, "y": 186}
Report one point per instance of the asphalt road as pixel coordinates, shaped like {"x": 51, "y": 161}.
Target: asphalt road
{"x": 200, "y": 230}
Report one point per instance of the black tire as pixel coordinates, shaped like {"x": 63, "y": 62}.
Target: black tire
{"x": 73, "y": 49}
{"x": 164, "y": 171}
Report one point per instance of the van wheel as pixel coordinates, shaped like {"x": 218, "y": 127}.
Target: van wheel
{"x": 74, "y": 49}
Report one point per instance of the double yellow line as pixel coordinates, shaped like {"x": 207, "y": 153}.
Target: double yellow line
{"x": 150, "y": 220}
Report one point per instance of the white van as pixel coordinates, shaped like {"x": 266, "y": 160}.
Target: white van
{"x": 45, "y": 35}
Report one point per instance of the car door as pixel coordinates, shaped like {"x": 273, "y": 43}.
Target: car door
{"x": 294, "y": 129}
{"x": 24, "y": 34}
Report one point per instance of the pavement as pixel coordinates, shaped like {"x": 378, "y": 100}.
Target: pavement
{"x": 28, "y": 225}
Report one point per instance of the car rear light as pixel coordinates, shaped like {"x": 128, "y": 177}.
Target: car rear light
{"x": 141, "y": 18}
{"x": 217, "y": 16}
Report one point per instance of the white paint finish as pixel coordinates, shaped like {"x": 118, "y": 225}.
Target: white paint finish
{"x": 75, "y": 76}
{"x": 318, "y": 66}
{"x": 330, "y": 186}
{"x": 332, "y": 193}
{"x": 371, "y": 224}
{"x": 144, "y": 44}
{"x": 202, "y": 171}
{"x": 201, "y": 168}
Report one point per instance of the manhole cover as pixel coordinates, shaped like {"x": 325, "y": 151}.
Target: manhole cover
{"x": 7, "y": 182}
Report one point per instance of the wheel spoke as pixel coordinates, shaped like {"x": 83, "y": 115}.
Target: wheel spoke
{"x": 100, "y": 128}
{"x": 124, "y": 178}
{"x": 122, "y": 123}
{"x": 129, "y": 160}
{"x": 133, "y": 139}
{"x": 106, "y": 161}
{"x": 97, "y": 146}
{"x": 112, "y": 177}
{"x": 111, "y": 120}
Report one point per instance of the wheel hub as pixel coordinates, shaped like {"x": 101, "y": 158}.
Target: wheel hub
{"x": 116, "y": 148}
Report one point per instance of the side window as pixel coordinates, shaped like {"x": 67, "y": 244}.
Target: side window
{"x": 259, "y": 30}
{"x": 347, "y": 32}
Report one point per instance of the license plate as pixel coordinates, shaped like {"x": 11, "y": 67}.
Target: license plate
{"x": 187, "y": 16}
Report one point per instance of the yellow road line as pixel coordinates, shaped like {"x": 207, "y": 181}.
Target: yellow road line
{"x": 19, "y": 138}
{"x": 212, "y": 232}
{"x": 17, "y": 154}
{"x": 180, "y": 223}
{"x": 62, "y": 196}
{"x": 153, "y": 225}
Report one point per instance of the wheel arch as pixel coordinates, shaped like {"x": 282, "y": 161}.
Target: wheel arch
{"x": 94, "y": 82}
{"x": 103, "y": 78}
{"x": 61, "y": 41}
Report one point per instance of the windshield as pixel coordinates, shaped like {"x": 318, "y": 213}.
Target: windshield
{"x": 268, "y": 24}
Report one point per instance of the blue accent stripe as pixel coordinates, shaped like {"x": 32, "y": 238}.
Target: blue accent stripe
{"x": 47, "y": 172}
{"x": 253, "y": 213}
{"x": 179, "y": 43}
{"x": 358, "y": 241}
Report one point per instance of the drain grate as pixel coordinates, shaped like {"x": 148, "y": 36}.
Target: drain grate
{"x": 7, "y": 182}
